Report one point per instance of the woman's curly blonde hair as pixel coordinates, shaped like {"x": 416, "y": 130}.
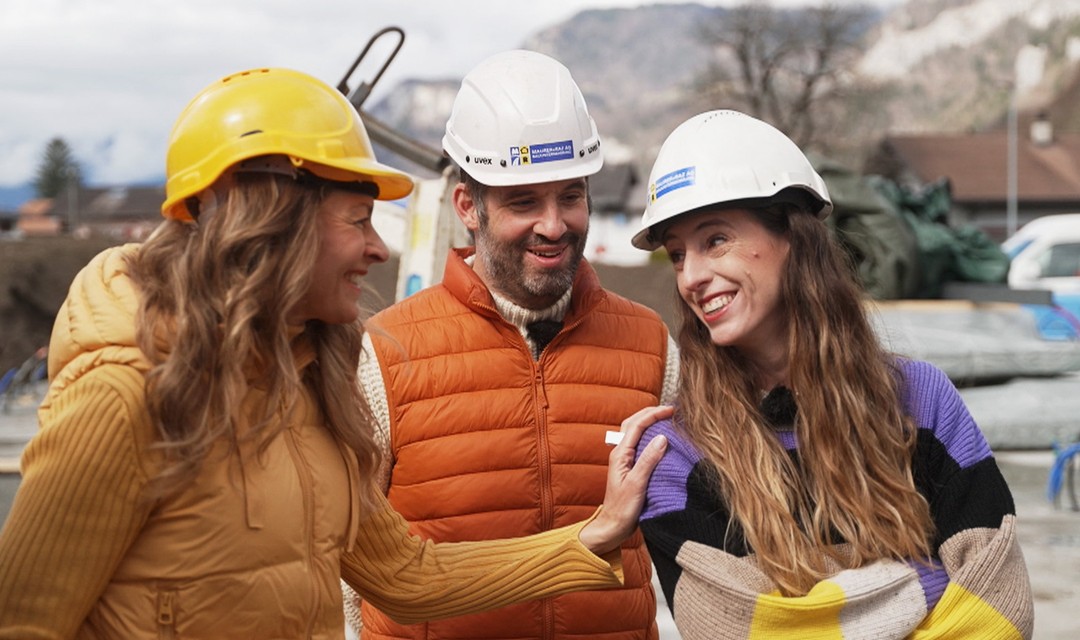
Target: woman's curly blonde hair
{"x": 215, "y": 301}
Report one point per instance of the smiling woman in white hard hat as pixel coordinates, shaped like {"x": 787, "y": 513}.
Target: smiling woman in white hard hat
{"x": 814, "y": 484}
{"x": 205, "y": 464}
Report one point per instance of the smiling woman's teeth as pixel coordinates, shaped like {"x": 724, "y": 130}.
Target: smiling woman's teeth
{"x": 717, "y": 303}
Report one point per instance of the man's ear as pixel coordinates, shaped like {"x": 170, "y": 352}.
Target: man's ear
{"x": 465, "y": 207}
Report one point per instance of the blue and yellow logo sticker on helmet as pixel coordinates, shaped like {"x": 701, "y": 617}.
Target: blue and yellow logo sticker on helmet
{"x": 546, "y": 152}
{"x": 667, "y": 183}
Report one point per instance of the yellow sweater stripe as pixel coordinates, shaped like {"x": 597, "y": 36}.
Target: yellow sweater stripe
{"x": 962, "y": 614}
{"x": 816, "y": 615}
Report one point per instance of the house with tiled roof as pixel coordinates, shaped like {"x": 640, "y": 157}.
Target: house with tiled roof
{"x": 36, "y": 218}
{"x": 977, "y": 168}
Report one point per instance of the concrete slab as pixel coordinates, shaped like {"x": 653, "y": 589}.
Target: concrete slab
{"x": 973, "y": 342}
{"x": 1027, "y": 413}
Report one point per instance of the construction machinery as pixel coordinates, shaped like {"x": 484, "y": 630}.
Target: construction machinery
{"x": 427, "y": 224}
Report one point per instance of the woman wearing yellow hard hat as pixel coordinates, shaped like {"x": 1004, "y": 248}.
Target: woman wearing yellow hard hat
{"x": 205, "y": 461}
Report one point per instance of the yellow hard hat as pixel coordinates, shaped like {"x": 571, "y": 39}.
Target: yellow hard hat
{"x": 271, "y": 112}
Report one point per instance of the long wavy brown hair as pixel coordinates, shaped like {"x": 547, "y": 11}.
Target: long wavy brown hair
{"x": 215, "y": 298}
{"x": 856, "y": 444}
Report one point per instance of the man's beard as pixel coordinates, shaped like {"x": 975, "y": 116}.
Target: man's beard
{"x": 533, "y": 289}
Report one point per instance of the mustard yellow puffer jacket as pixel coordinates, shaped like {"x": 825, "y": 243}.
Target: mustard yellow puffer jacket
{"x": 255, "y": 547}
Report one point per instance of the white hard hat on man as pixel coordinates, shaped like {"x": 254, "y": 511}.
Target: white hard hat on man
{"x": 525, "y": 127}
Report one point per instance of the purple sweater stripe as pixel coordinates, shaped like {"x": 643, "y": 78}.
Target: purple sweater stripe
{"x": 929, "y": 397}
{"x": 949, "y": 419}
{"x": 788, "y": 439}
{"x": 667, "y": 490}
{"x": 933, "y": 579}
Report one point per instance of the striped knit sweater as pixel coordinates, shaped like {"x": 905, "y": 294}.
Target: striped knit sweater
{"x": 976, "y": 587}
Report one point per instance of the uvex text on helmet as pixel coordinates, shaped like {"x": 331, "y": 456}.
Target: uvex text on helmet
{"x": 519, "y": 118}
{"x": 726, "y": 156}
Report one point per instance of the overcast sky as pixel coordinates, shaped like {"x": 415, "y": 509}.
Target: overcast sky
{"x": 111, "y": 76}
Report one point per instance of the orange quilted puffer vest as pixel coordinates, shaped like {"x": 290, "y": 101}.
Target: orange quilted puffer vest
{"x": 489, "y": 443}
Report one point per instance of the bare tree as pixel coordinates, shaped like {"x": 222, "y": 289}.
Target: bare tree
{"x": 792, "y": 68}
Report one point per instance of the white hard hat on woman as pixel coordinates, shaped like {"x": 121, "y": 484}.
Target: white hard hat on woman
{"x": 726, "y": 156}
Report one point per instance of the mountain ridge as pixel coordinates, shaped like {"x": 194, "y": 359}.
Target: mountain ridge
{"x": 950, "y": 68}
{"x": 947, "y": 66}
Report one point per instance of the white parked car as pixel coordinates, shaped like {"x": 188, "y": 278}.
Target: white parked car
{"x": 1045, "y": 254}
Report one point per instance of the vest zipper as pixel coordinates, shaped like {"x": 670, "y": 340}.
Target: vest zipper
{"x": 166, "y": 614}
{"x": 547, "y": 501}
{"x": 543, "y": 445}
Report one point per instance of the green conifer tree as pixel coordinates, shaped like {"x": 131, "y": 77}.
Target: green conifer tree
{"x": 58, "y": 169}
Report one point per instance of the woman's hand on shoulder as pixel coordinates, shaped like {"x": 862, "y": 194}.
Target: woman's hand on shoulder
{"x": 626, "y": 482}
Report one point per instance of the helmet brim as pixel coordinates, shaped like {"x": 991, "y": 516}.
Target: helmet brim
{"x": 393, "y": 184}
{"x": 804, "y": 198}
